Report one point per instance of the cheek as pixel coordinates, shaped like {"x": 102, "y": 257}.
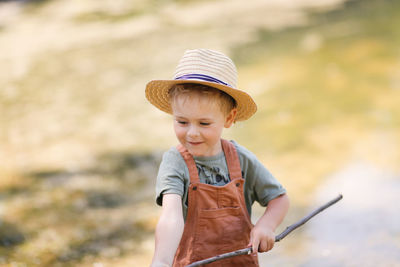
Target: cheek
{"x": 212, "y": 133}
{"x": 179, "y": 131}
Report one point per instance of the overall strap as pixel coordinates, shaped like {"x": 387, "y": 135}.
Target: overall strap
{"x": 193, "y": 173}
{"x": 232, "y": 159}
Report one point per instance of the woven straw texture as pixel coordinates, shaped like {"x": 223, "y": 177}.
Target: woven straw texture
{"x": 211, "y": 64}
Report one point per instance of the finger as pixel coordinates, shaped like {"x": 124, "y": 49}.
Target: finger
{"x": 255, "y": 245}
{"x": 271, "y": 244}
{"x": 263, "y": 246}
{"x": 251, "y": 241}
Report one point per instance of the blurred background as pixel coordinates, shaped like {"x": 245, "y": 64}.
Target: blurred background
{"x": 80, "y": 145}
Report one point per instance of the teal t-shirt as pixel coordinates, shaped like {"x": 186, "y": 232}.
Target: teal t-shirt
{"x": 259, "y": 185}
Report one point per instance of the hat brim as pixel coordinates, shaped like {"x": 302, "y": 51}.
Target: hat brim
{"x": 157, "y": 94}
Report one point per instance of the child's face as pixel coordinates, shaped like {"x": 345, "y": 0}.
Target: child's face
{"x": 198, "y": 124}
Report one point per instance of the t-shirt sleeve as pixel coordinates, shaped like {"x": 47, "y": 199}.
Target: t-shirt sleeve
{"x": 266, "y": 187}
{"x": 170, "y": 177}
{"x": 260, "y": 184}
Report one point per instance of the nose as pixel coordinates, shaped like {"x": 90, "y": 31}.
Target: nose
{"x": 193, "y": 131}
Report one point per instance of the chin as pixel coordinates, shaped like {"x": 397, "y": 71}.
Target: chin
{"x": 196, "y": 153}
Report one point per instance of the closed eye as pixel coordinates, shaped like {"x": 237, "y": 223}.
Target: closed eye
{"x": 182, "y": 122}
{"x": 205, "y": 123}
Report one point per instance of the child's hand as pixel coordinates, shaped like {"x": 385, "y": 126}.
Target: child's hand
{"x": 262, "y": 238}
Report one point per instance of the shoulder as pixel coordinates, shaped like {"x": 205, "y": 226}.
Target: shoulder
{"x": 172, "y": 153}
{"x": 172, "y": 156}
{"x": 251, "y": 166}
{"x": 245, "y": 155}
{"x": 172, "y": 159}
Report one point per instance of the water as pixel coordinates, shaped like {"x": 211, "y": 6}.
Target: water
{"x": 363, "y": 229}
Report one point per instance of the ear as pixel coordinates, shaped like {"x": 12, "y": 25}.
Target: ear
{"x": 230, "y": 119}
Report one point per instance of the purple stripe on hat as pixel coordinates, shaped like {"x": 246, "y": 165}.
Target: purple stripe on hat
{"x": 201, "y": 77}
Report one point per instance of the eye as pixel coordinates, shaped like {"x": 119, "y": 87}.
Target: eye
{"x": 182, "y": 122}
{"x": 205, "y": 123}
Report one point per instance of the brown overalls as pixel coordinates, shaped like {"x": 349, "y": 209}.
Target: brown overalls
{"x": 217, "y": 220}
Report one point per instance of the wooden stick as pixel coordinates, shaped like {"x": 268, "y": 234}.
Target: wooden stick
{"x": 278, "y": 238}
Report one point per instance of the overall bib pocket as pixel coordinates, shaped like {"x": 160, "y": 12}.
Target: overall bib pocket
{"x": 216, "y": 225}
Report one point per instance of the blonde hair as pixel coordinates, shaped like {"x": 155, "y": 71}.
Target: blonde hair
{"x": 225, "y": 101}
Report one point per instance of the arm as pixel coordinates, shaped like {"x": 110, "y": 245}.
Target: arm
{"x": 262, "y": 236}
{"x": 169, "y": 231}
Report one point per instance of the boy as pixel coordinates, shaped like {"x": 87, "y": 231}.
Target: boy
{"x": 206, "y": 185}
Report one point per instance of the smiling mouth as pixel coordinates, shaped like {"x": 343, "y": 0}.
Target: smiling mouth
{"x": 195, "y": 143}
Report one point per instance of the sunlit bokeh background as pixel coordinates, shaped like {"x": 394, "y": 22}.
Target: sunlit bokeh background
{"x": 80, "y": 146}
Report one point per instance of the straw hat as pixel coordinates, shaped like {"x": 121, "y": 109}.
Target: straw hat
{"x": 207, "y": 67}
